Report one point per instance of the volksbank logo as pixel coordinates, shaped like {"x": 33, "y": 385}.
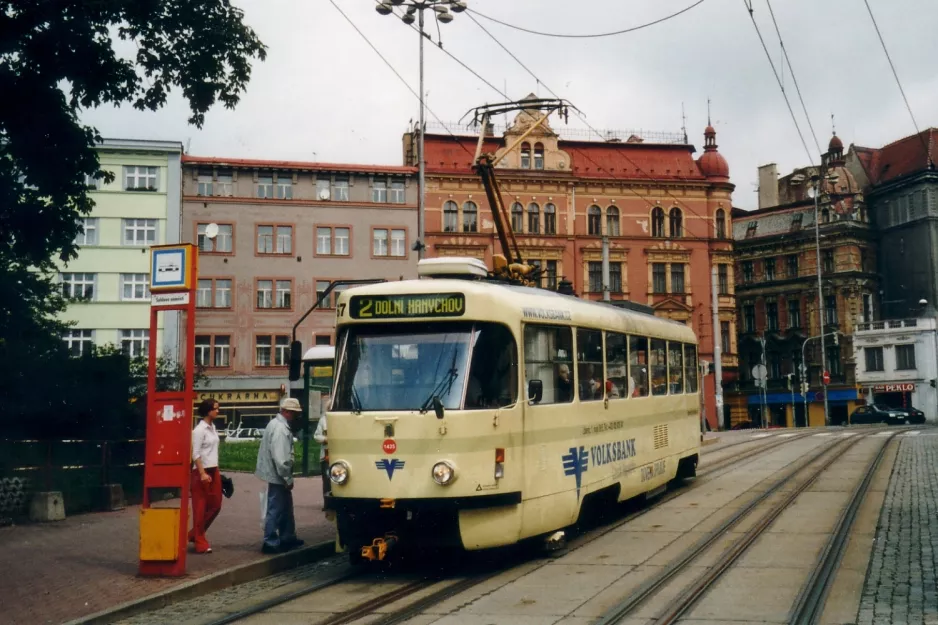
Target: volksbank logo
{"x": 389, "y": 465}
{"x": 576, "y": 463}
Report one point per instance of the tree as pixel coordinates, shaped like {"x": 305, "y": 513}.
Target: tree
{"x": 57, "y": 57}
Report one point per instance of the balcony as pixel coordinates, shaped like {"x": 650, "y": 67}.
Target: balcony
{"x": 892, "y": 324}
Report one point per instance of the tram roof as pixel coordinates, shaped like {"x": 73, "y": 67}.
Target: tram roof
{"x": 517, "y": 299}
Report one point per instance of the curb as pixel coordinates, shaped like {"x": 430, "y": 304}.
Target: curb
{"x": 712, "y": 440}
{"x": 221, "y": 580}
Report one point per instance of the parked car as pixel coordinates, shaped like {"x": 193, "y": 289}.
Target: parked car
{"x": 916, "y": 416}
{"x": 878, "y": 413}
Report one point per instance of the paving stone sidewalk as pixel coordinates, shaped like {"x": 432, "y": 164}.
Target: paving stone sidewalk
{"x": 56, "y": 572}
{"x": 900, "y": 585}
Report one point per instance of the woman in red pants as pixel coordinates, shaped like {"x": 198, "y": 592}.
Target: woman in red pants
{"x": 205, "y": 480}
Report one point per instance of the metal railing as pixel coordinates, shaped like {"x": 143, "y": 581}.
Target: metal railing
{"x": 890, "y": 324}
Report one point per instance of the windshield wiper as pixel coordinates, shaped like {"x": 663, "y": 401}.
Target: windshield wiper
{"x": 356, "y": 401}
{"x": 447, "y": 382}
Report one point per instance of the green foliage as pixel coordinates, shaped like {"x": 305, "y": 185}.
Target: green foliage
{"x": 243, "y": 456}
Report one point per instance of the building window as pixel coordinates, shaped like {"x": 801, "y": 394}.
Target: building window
{"x": 213, "y": 350}
{"x": 323, "y": 186}
{"x": 769, "y": 269}
{"x": 221, "y": 244}
{"x": 867, "y": 308}
{"x": 725, "y": 336}
{"x": 272, "y": 351}
{"x": 274, "y": 293}
{"x": 92, "y": 183}
{"x": 594, "y": 216}
{"x": 534, "y": 218}
{"x": 450, "y": 216}
{"x": 275, "y": 239}
{"x": 203, "y": 294}
{"x": 340, "y": 189}
{"x": 550, "y": 278}
{"x": 747, "y": 271}
{"x": 723, "y": 279}
{"x": 323, "y": 339}
{"x": 905, "y": 357}
{"x": 658, "y": 278}
{"x": 78, "y": 286}
{"x": 833, "y": 360}
{"x": 140, "y": 178}
{"x": 830, "y": 309}
{"x": 89, "y": 234}
{"x": 550, "y": 219}
{"x": 470, "y": 214}
{"x": 677, "y": 223}
{"x": 874, "y": 358}
{"x": 78, "y": 342}
{"x": 771, "y": 316}
{"x": 205, "y": 185}
{"x": 389, "y": 242}
{"x": 265, "y": 187}
{"x": 135, "y": 343}
{"x": 332, "y": 241}
{"x": 749, "y": 318}
{"x": 525, "y": 155}
{"x": 825, "y": 216}
{"x": 538, "y": 156}
{"x": 775, "y": 365}
{"x": 657, "y": 222}
{"x": 284, "y": 188}
{"x": 321, "y": 286}
{"x": 224, "y": 185}
{"x": 396, "y": 192}
{"x": 135, "y": 286}
{"x": 615, "y": 277}
{"x": 595, "y": 273}
{"x": 793, "y": 266}
{"x": 677, "y": 278}
{"x": 751, "y": 229}
{"x": 721, "y": 223}
{"x": 517, "y": 218}
{"x": 379, "y": 192}
{"x": 794, "y": 313}
{"x": 612, "y": 221}
{"x": 213, "y": 293}
{"x": 827, "y": 261}
{"x": 796, "y": 221}
{"x": 139, "y": 231}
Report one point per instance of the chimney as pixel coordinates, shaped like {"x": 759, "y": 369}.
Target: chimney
{"x": 768, "y": 186}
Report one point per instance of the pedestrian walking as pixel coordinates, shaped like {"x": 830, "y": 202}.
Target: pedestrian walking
{"x": 275, "y": 466}
{"x": 204, "y": 479}
{"x": 321, "y": 437}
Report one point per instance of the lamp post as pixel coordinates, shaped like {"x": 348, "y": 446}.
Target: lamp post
{"x": 442, "y": 10}
{"x": 816, "y": 179}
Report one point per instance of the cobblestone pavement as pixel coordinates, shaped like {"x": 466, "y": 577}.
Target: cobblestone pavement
{"x": 56, "y": 572}
{"x": 900, "y": 584}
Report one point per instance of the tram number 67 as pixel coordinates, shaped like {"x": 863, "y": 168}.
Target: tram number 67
{"x": 652, "y": 471}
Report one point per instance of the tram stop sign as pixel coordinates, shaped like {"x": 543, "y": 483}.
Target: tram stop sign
{"x": 827, "y": 377}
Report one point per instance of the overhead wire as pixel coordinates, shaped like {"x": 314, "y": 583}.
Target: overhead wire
{"x": 899, "y": 83}
{"x": 588, "y": 36}
{"x": 791, "y": 71}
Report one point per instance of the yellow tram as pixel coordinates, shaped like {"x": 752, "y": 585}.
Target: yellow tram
{"x": 475, "y": 414}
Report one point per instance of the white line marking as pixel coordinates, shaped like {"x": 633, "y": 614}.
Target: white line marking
{"x": 883, "y": 434}
{"x": 848, "y": 433}
{"x": 761, "y": 435}
{"x": 823, "y": 434}
{"x": 913, "y": 433}
{"x": 788, "y": 435}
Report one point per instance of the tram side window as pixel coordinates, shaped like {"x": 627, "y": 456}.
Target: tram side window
{"x": 638, "y": 366}
{"x": 676, "y": 367}
{"x": 617, "y": 355}
{"x": 690, "y": 367}
{"x": 659, "y": 367}
{"x": 589, "y": 360}
{"x": 493, "y": 374}
{"x": 548, "y": 357}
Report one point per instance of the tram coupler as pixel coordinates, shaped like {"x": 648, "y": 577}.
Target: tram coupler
{"x": 378, "y": 550}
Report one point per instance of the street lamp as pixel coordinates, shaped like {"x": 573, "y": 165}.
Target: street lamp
{"x": 816, "y": 180}
{"x": 440, "y": 8}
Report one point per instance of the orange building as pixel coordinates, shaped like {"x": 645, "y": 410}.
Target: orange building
{"x": 667, "y": 216}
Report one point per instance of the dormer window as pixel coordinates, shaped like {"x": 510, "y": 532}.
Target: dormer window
{"x": 525, "y": 156}
{"x": 751, "y": 229}
{"x": 538, "y": 156}
{"x": 796, "y": 222}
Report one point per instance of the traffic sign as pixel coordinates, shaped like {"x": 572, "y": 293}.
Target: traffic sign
{"x": 827, "y": 377}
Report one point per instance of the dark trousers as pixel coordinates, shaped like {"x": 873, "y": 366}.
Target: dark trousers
{"x": 206, "y": 504}
{"x": 279, "y": 525}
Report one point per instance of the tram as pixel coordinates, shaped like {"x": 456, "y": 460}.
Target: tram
{"x": 475, "y": 413}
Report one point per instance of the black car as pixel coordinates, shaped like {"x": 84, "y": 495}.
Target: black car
{"x": 916, "y": 416}
{"x": 877, "y": 413}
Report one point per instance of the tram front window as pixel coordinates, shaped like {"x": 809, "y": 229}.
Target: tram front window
{"x": 403, "y": 367}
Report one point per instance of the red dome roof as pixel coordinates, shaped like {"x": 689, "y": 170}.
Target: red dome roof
{"x": 713, "y": 165}
{"x": 835, "y": 144}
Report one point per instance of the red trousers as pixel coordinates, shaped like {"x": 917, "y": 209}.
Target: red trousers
{"x": 206, "y": 504}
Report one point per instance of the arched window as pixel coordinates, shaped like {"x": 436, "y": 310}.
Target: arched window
{"x": 525, "y": 155}
{"x": 721, "y": 223}
{"x": 657, "y": 222}
{"x": 534, "y": 218}
{"x": 825, "y": 216}
{"x": 517, "y": 218}
{"x": 470, "y": 214}
{"x": 450, "y": 216}
{"x": 538, "y": 156}
{"x": 550, "y": 219}
{"x": 594, "y": 217}
{"x": 612, "y": 221}
{"x": 677, "y": 225}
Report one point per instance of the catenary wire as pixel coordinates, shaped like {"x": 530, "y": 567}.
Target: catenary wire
{"x": 898, "y": 82}
{"x": 791, "y": 71}
{"x": 590, "y": 36}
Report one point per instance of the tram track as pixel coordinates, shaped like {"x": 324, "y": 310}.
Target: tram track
{"x": 810, "y": 602}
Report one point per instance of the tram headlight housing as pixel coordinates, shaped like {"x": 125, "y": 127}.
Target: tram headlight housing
{"x": 339, "y": 473}
{"x": 443, "y": 473}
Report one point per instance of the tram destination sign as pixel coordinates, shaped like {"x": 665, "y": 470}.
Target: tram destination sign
{"x": 407, "y": 306}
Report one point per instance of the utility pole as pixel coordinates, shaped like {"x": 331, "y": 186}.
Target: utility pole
{"x": 717, "y": 345}
{"x": 820, "y": 291}
{"x": 765, "y": 379}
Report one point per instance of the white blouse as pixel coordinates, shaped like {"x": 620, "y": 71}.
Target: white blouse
{"x": 205, "y": 445}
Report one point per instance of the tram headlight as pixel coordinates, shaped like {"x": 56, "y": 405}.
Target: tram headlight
{"x": 443, "y": 473}
{"x": 339, "y": 473}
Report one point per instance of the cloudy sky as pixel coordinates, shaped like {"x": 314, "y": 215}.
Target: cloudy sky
{"x": 323, "y": 94}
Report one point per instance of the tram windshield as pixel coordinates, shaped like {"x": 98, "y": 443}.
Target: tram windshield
{"x": 404, "y": 366}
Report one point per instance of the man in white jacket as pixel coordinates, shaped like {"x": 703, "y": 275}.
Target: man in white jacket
{"x": 275, "y": 466}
